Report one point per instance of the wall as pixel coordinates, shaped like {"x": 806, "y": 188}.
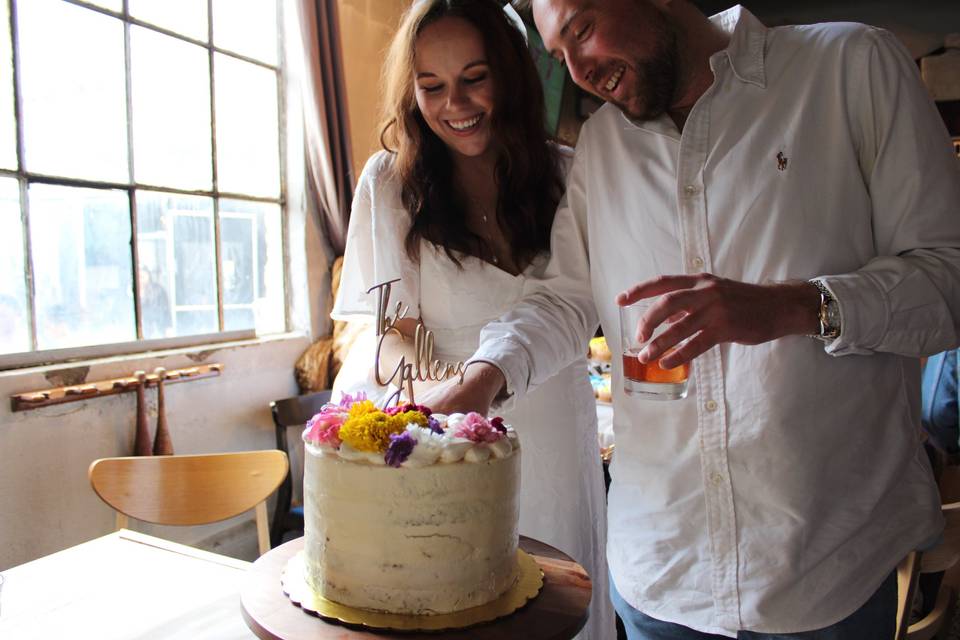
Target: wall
{"x": 366, "y": 29}
{"x": 920, "y": 24}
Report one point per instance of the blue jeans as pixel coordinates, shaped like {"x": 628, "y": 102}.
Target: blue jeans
{"x": 875, "y": 620}
{"x": 939, "y": 410}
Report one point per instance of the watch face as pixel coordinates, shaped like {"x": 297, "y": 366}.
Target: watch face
{"x": 833, "y": 314}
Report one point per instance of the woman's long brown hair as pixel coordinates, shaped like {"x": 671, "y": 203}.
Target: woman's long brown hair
{"x": 528, "y": 173}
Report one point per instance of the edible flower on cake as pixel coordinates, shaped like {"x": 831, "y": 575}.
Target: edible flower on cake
{"x": 401, "y": 446}
{"x": 406, "y": 435}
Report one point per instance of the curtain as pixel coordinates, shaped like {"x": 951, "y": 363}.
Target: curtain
{"x": 326, "y": 125}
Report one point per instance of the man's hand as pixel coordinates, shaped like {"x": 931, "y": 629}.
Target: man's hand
{"x": 482, "y": 382}
{"x": 709, "y": 310}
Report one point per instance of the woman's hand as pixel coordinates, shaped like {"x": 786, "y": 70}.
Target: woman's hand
{"x": 482, "y": 383}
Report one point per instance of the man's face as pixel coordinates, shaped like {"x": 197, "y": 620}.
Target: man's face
{"x": 623, "y": 51}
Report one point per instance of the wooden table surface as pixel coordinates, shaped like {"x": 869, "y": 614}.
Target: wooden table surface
{"x": 125, "y": 585}
{"x": 557, "y": 613}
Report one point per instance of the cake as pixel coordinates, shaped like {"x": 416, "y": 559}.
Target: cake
{"x": 409, "y": 512}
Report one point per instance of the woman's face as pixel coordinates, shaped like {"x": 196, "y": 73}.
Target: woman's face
{"x": 453, "y": 85}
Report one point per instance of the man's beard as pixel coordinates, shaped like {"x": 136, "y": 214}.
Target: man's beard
{"x": 657, "y": 77}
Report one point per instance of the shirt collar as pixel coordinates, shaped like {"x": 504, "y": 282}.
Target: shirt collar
{"x": 748, "y": 37}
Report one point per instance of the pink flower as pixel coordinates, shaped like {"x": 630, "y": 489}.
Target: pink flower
{"x": 324, "y": 428}
{"x": 347, "y": 400}
{"x": 476, "y": 428}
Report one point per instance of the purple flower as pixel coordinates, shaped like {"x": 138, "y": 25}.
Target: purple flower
{"x": 434, "y": 425}
{"x": 497, "y": 423}
{"x": 401, "y": 446}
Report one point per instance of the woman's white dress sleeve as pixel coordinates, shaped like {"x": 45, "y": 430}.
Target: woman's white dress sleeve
{"x": 375, "y": 251}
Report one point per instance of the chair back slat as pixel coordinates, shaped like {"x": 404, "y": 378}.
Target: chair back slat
{"x": 295, "y": 411}
{"x": 288, "y": 414}
{"x": 188, "y": 489}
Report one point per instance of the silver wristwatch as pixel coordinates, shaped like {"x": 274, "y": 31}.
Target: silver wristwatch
{"x": 829, "y": 314}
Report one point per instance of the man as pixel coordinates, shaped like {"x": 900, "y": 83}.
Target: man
{"x": 790, "y": 196}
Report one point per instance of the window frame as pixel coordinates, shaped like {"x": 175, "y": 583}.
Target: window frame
{"x": 25, "y": 178}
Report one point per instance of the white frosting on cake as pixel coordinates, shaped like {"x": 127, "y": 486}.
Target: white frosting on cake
{"x": 438, "y": 534}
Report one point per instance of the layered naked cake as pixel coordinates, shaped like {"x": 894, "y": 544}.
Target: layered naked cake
{"x": 407, "y": 511}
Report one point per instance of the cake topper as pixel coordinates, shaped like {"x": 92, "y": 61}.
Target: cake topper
{"x": 424, "y": 367}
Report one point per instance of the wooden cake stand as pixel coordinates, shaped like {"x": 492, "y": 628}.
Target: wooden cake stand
{"x": 557, "y": 613}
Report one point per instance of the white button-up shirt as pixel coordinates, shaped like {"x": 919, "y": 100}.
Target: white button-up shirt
{"x": 782, "y": 491}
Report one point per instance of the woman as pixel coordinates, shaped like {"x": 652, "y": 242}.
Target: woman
{"x": 459, "y": 207}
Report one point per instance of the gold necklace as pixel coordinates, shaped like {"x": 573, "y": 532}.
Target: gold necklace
{"x": 486, "y": 233}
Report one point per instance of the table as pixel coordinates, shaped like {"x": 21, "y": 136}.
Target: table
{"x": 557, "y": 613}
{"x": 125, "y": 585}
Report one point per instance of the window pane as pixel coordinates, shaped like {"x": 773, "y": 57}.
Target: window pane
{"x": 248, "y": 147}
{"x": 252, "y": 254}
{"x": 8, "y": 131}
{"x": 81, "y": 259}
{"x": 178, "y": 284}
{"x": 188, "y": 17}
{"x": 171, "y": 111}
{"x": 248, "y": 27}
{"x": 74, "y": 96}
{"x": 14, "y": 322}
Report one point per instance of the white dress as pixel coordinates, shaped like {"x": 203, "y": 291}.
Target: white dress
{"x": 562, "y": 499}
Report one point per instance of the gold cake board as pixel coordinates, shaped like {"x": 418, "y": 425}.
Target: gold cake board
{"x": 526, "y": 587}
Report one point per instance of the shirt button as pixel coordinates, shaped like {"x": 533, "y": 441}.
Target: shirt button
{"x": 697, "y": 262}
{"x": 716, "y": 478}
{"x": 691, "y": 189}
{"x": 711, "y": 405}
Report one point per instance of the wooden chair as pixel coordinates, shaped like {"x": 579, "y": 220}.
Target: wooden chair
{"x": 190, "y": 489}
{"x": 908, "y": 572}
{"x": 291, "y": 413}
{"x": 943, "y": 558}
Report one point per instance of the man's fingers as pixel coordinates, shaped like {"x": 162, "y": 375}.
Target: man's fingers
{"x": 655, "y": 287}
{"x": 692, "y": 348}
{"x": 673, "y": 336}
{"x": 670, "y": 308}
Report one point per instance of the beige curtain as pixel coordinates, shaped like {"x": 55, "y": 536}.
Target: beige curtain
{"x": 326, "y": 126}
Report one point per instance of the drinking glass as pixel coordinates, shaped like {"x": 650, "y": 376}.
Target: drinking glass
{"x": 648, "y": 380}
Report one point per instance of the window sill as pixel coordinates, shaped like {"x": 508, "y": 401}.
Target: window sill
{"x": 45, "y": 362}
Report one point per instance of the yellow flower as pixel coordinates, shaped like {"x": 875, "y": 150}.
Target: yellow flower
{"x": 362, "y": 408}
{"x": 369, "y": 430}
{"x": 403, "y": 419}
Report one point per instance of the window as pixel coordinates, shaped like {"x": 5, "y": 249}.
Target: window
{"x": 141, "y": 182}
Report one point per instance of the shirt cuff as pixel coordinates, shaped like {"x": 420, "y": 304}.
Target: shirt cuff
{"x": 848, "y": 291}
{"x": 510, "y": 357}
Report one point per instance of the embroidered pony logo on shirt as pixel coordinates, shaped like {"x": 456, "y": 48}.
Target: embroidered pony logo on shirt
{"x": 782, "y": 161}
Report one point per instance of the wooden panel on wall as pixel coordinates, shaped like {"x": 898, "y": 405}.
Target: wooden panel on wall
{"x": 366, "y": 27}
